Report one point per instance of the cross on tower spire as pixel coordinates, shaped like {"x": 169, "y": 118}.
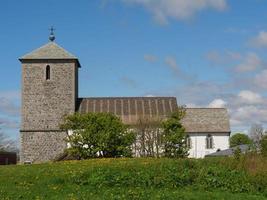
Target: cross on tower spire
{"x": 52, "y": 35}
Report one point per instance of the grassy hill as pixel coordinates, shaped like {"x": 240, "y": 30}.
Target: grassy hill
{"x": 137, "y": 179}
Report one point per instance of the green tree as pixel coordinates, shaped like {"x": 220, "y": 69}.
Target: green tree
{"x": 148, "y": 137}
{"x": 263, "y": 145}
{"x": 239, "y": 139}
{"x": 174, "y": 136}
{"x": 98, "y": 135}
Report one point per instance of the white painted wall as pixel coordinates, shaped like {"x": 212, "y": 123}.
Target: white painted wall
{"x": 198, "y": 144}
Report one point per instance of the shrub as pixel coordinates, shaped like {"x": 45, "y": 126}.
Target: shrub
{"x": 174, "y": 136}
{"x": 97, "y": 135}
{"x": 239, "y": 139}
{"x": 263, "y": 144}
{"x": 237, "y": 153}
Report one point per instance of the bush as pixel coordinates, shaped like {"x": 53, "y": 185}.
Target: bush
{"x": 97, "y": 135}
{"x": 237, "y": 153}
{"x": 174, "y": 136}
{"x": 263, "y": 144}
{"x": 239, "y": 139}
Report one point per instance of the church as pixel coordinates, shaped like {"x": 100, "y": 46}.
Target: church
{"x": 50, "y": 91}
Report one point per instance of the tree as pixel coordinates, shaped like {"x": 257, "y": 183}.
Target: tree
{"x": 256, "y": 133}
{"x": 263, "y": 145}
{"x": 97, "y": 135}
{"x": 148, "y": 141}
{"x": 174, "y": 136}
{"x": 239, "y": 139}
{"x": 7, "y": 144}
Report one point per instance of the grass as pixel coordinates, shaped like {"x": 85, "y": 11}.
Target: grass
{"x": 137, "y": 179}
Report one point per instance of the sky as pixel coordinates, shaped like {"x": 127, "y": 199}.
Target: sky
{"x": 206, "y": 53}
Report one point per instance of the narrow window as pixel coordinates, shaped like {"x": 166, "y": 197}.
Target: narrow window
{"x": 47, "y": 72}
{"x": 209, "y": 142}
{"x": 188, "y": 142}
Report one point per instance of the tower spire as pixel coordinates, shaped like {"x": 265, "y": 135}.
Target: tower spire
{"x": 52, "y": 35}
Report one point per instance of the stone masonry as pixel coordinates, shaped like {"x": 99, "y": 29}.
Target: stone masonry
{"x": 45, "y": 102}
{"x": 41, "y": 146}
{"x": 44, "y": 105}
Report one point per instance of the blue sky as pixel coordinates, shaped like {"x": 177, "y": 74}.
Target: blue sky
{"x": 210, "y": 53}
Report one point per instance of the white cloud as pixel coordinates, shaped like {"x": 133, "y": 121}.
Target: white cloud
{"x": 217, "y": 103}
{"x": 250, "y": 63}
{"x": 224, "y": 58}
{"x": 261, "y": 79}
{"x": 214, "y": 57}
{"x": 260, "y": 40}
{"x": 150, "y": 58}
{"x": 127, "y": 81}
{"x": 242, "y": 63}
{"x": 236, "y": 30}
{"x": 8, "y": 107}
{"x": 149, "y": 95}
{"x": 191, "y": 105}
{"x": 198, "y": 93}
{"x": 247, "y": 108}
{"x": 8, "y": 123}
{"x": 247, "y": 115}
{"x": 163, "y": 10}
{"x": 234, "y": 55}
{"x": 11, "y": 95}
{"x": 171, "y": 62}
{"x": 176, "y": 70}
{"x": 250, "y": 97}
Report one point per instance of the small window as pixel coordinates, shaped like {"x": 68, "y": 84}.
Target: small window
{"x": 209, "y": 142}
{"x": 188, "y": 142}
{"x": 47, "y": 72}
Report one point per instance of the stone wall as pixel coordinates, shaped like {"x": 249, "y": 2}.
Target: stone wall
{"x": 44, "y": 104}
{"x": 41, "y": 146}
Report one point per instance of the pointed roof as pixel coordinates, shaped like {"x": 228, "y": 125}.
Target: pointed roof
{"x": 131, "y": 109}
{"x": 206, "y": 120}
{"x": 50, "y": 51}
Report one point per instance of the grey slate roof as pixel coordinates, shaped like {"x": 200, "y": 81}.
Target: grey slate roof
{"x": 131, "y": 109}
{"x": 50, "y": 51}
{"x": 203, "y": 120}
{"x": 230, "y": 152}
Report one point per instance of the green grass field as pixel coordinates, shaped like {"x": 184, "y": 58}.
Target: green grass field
{"x": 137, "y": 179}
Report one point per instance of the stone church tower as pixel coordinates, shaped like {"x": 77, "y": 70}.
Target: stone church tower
{"x": 49, "y": 91}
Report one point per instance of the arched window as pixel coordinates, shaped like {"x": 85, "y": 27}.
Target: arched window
{"x": 47, "y": 72}
{"x": 209, "y": 142}
{"x": 188, "y": 142}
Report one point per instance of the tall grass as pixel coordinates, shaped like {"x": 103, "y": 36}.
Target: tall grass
{"x": 140, "y": 178}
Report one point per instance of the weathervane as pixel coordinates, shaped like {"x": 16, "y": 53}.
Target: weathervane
{"x": 52, "y": 35}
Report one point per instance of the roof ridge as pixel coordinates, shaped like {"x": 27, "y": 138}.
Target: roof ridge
{"x": 50, "y": 50}
{"x": 63, "y": 49}
{"x": 124, "y": 97}
{"x": 27, "y": 54}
